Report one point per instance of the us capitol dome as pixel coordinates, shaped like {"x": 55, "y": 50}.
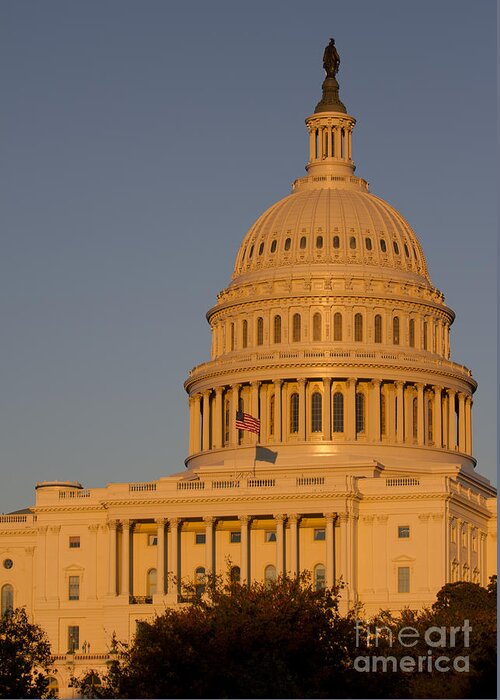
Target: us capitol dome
{"x": 331, "y": 331}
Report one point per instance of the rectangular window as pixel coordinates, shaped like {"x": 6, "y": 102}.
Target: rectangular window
{"x": 74, "y": 588}
{"x": 73, "y": 637}
{"x": 319, "y": 535}
{"x": 403, "y": 531}
{"x": 152, "y": 540}
{"x": 74, "y": 541}
{"x": 271, "y": 536}
{"x": 200, "y": 538}
{"x": 235, "y": 537}
{"x": 403, "y": 579}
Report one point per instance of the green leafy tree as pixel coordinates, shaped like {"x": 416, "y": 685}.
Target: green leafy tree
{"x": 25, "y": 657}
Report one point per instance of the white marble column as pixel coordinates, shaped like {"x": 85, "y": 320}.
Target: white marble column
{"x": 293, "y": 521}
{"x": 375, "y": 410}
{"x": 209, "y": 545}
{"x": 125, "y": 559}
{"x": 206, "y": 420}
{"x": 254, "y": 388}
{"x": 233, "y": 430}
{"x": 302, "y": 409}
{"x": 244, "y": 548}
{"x": 327, "y": 411}
{"x": 93, "y": 561}
{"x": 452, "y": 425}
{"x": 197, "y": 423}
{"x": 400, "y": 411}
{"x": 330, "y": 549}
{"x": 112, "y": 527}
{"x": 468, "y": 425}
{"x": 420, "y": 414}
{"x": 438, "y": 437}
{"x": 351, "y": 409}
{"x": 173, "y": 560}
{"x": 160, "y": 555}
{"x": 277, "y": 410}
{"x": 280, "y": 543}
{"x": 461, "y": 422}
{"x": 217, "y": 420}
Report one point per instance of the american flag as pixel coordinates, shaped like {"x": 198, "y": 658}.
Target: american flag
{"x": 244, "y": 421}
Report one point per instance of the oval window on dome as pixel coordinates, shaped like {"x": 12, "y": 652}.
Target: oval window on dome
{"x": 383, "y": 246}
{"x": 303, "y": 242}
{"x": 396, "y": 247}
{"x": 288, "y": 243}
{"x": 336, "y": 242}
{"x": 368, "y": 243}
{"x": 352, "y": 242}
{"x": 251, "y": 252}
{"x": 273, "y": 246}
{"x": 319, "y": 242}
{"x": 261, "y": 248}
{"x": 407, "y": 252}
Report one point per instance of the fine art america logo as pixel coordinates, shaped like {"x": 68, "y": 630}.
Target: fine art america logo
{"x": 437, "y": 639}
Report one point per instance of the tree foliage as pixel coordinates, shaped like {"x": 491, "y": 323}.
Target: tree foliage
{"x": 285, "y": 639}
{"x": 25, "y": 657}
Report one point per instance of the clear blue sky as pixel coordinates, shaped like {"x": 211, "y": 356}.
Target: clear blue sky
{"x": 140, "y": 140}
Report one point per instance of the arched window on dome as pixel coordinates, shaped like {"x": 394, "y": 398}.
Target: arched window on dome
{"x": 303, "y": 243}
{"x": 273, "y": 246}
{"x": 316, "y": 413}
{"x": 319, "y": 577}
{"x": 368, "y": 243}
{"x": 396, "y": 247}
{"x": 407, "y": 252}
{"x": 288, "y": 243}
{"x": 151, "y": 582}
{"x": 244, "y": 334}
{"x": 352, "y": 243}
{"x": 296, "y": 328}
{"x": 411, "y": 333}
{"x": 261, "y": 248}
{"x": 358, "y": 328}
{"x": 317, "y": 326}
{"x": 338, "y": 412}
{"x": 430, "y": 421}
{"x": 426, "y": 332}
{"x": 269, "y": 575}
{"x": 277, "y": 328}
{"x": 232, "y": 336}
{"x": 415, "y": 419}
{"x": 336, "y": 242}
{"x": 360, "y": 412}
{"x": 199, "y": 581}
{"x": 319, "y": 242}
{"x": 260, "y": 331}
{"x": 337, "y": 326}
{"x": 294, "y": 413}
{"x": 383, "y": 245}
{"x": 383, "y": 415}
{"x": 395, "y": 330}
{"x": 272, "y": 408}
{"x": 378, "y": 328}
{"x": 250, "y": 254}
{"x": 7, "y": 598}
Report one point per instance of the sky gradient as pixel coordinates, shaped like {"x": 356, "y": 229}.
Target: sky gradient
{"x": 140, "y": 141}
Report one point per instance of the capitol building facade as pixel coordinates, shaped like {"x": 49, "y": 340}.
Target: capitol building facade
{"x": 332, "y": 334}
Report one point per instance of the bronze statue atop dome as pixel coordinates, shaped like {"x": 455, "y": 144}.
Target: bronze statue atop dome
{"x": 331, "y": 60}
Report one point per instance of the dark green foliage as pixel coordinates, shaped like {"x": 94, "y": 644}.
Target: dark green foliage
{"x": 25, "y": 657}
{"x": 286, "y": 640}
